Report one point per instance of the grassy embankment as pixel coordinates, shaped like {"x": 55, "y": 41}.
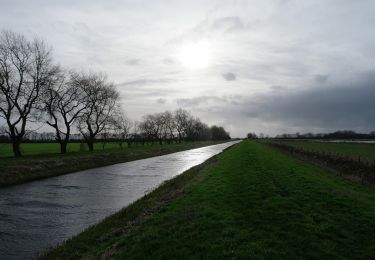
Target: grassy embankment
{"x": 43, "y": 160}
{"x": 251, "y": 201}
{"x": 354, "y": 150}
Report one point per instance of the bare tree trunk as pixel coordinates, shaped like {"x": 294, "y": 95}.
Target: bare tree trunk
{"x": 16, "y": 147}
{"x": 90, "y": 144}
{"x": 63, "y": 146}
{"x": 179, "y": 137}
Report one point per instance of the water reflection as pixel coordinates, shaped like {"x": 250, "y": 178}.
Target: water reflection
{"x": 41, "y": 214}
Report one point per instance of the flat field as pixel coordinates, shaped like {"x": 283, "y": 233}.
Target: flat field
{"x": 354, "y": 150}
{"x": 53, "y": 148}
{"x": 249, "y": 202}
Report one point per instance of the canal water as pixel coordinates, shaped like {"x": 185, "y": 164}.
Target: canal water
{"x": 38, "y": 215}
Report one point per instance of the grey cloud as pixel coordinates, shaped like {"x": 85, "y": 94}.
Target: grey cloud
{"x": 229, "y": 76}
{"x": 321, "y": 78}
{"x": 208, "y": 100}
{"x": 258, "y": 40}
{"x": 133, "y": 62}
{"x": 278, "y": 88}
{"x": 213, "y": 23}
{"x": 228, "y": 24}
{"x": 350, "y": 106}
{"x": 317, "y": 109}
{"x": 161, "y": 101}
{"x": 140, "y": 93}
{"x": 168, "y": 61}
{"x": 141, "y": 82}
{"x": 196, "y": 101}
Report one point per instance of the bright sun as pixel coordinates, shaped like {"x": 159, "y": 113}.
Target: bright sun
{"x": 195, "y": 55}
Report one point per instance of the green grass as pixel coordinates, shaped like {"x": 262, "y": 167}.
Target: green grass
{"x": 365, "y": 151}
{"x": 43, "y": 165}
{"x": 53, "y": 148}
{"x": 251, "y": 201}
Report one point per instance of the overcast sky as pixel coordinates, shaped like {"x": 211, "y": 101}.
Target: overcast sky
{"x": 260, "y": 66}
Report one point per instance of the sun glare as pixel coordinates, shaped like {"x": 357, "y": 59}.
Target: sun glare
{"x": 195, "y": 55}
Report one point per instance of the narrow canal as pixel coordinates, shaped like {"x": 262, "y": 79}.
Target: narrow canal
{"x": 38, "y": 215}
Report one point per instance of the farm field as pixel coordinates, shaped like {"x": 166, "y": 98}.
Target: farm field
{"x": 251, "y": 201}
{"x": 354, "y": 150}
{"x": 54, "y": 148}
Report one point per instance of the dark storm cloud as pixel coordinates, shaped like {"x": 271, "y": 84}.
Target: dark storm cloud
{"x": 349, "y": 106}
{"x": 229, "y": 76}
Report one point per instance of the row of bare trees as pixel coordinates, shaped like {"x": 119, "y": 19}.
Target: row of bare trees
{"x": 166, "y": 127}
{"x": 25, "y": 69}
{"x": 85, "y": 100}
{"x": 33, "y": 89}
{"x": 178, "y": 125}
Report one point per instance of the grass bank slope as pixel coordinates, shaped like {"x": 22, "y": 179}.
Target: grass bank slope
{"x": 251, "y": 201}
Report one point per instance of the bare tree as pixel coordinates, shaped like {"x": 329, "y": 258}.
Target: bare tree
{"x": 166, "y": 126}
{"x": 197, "y": 130}
{"x": 64, "y": 103}
{"x": 3, "y": 138}
{"x": 150, "y": 127}
{"x": 122, "y": 128}
{"x": 25, "y": 68}
{"x": 181, "y": 119}
{"x": 136, "y": 133}
{"x": 101, "y": 98}
{"x": 106, "y": 133}
{"x": 169, "y": 126}
{"x": 159, "y": 126}
{"x": 219, "y": 133}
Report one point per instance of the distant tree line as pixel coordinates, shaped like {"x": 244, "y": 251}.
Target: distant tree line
{"x": 35, "y": 89}
{"x": 345, "y": 134}
{"x": 252, "y": 136}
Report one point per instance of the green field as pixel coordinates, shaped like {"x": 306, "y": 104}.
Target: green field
{"x": 365, "y": 151}
{"x": 53, "y": 148}
{"x": 252, "y": 202}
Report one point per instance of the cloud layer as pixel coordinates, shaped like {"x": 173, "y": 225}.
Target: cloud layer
{"x": 275, "y": 65}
